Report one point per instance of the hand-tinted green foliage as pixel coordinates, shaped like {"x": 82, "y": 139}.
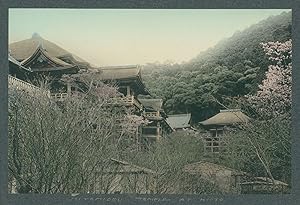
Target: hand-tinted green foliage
{"x": 234, "y": 67}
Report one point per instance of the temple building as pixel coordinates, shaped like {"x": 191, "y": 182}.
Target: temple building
{"x": 217, "y": 125}
{"x": 129, "y": 82}
{"x": 37, "y": 57}
{"x": 158, "y": 126}
{"x": 44, "y": 58}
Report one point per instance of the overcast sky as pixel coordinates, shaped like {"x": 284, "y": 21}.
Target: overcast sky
{"x": 130, "y": 36}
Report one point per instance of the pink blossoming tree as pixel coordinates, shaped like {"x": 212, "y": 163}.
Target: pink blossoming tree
{"x": 274, "y": 95}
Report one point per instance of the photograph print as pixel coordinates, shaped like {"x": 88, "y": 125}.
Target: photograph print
{"x": 145, "y": 101}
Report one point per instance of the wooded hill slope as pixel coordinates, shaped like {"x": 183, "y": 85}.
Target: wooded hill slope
{"x": 232, "y": 68}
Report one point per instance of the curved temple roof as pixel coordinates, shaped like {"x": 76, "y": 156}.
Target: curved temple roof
{"x": 123, "y": 75}
{"x": 227, "y": 117}
{"x": 120, "y": 72}
{"x": 179, "y": 121}
{"x": 42, "y": 55}
{"x": 17, "y": 63}
{"x": 22, "y": 50}
{"x": 155, "y": 104}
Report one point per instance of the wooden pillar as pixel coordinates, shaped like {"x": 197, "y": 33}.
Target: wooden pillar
{"x": 139, "y": 136}
{"x": 128, "y": 90}
{"x": 69, "y": 88}
{"x": 158, "y": 130}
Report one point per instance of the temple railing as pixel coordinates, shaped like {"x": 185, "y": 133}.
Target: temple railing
{"x": 22, "y": 85}
{"x": 59, "y": 96}
{"x": 127, "y": 101}
{"x": 152, "y": 115}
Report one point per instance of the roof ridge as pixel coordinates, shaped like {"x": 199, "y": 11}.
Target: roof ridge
{"x": 57, "y": 60}
{"x": 179, "y": 114}
{"x": 231, "y": 110}
{"x": 13, "y": 60}
{"x": 151, "y": 99}
{"x": 120, "y": 67}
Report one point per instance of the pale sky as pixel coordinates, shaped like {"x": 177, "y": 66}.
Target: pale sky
{"x": 133, "y": 36}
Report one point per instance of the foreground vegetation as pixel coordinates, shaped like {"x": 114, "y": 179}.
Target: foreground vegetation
{"x": 58, "y": 147}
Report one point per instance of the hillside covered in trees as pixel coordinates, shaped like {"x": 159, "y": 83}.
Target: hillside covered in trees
{"x": 231, "y": 69}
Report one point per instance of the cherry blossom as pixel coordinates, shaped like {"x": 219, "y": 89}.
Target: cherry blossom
{"x": 274, "y": 95}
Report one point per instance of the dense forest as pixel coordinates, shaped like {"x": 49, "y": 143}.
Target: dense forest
{"x": 231, "y": 69}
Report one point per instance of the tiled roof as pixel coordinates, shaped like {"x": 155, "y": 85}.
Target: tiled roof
{"x": 179, "y": 121}
{"x": 41, "y": 55}
{"x": 155, "y": 104}
{"x": 120, "y": 72}
{"x": 53, "y": 58}
{"x": 23, "y": 49}
{"x": 227, "y": 117}
{"x": 14, "y": 61}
